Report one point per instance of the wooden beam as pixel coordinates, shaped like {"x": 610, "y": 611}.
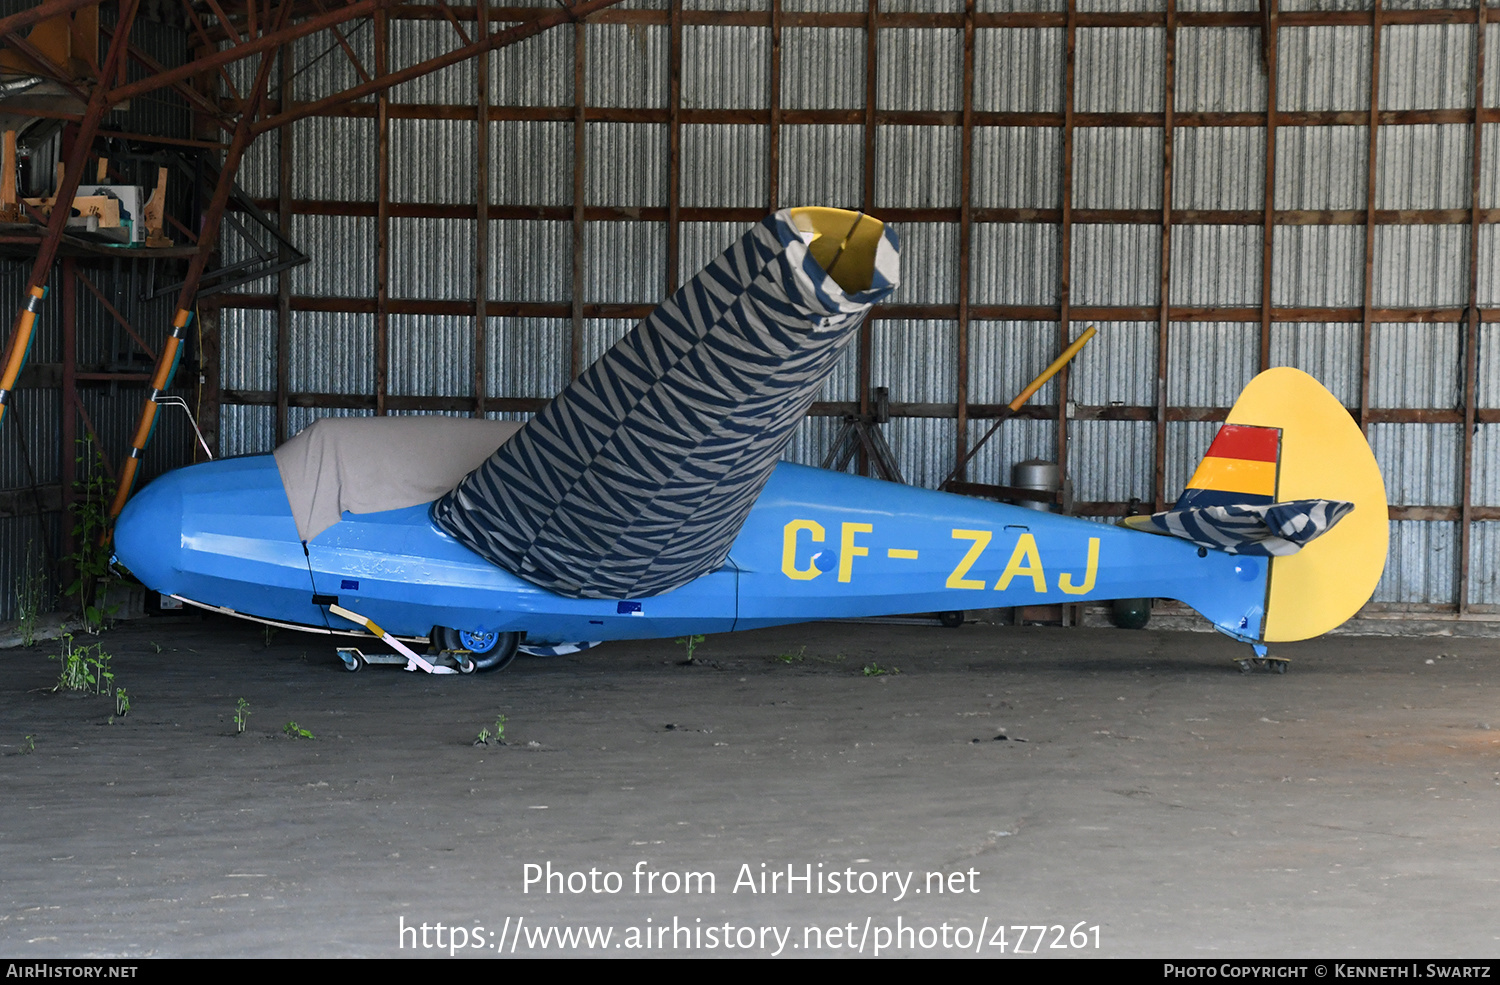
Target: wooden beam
{"x": 1164, "y": 324}
{"x": 1373, "y": 123}
{"x": 965, "y": 240}
{"x": 1065, "y": 264}
{"x": 1268, "y": 227}
{"x": 1471, "y": 333}
{"x": 382, "y": 216}
{"x": 580, "y": 131}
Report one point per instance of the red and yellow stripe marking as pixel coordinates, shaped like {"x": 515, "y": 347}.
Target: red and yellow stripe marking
{"x": 1242, "y": 459}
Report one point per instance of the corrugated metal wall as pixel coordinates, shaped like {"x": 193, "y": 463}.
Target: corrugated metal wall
{"x": 1030, "y": 189}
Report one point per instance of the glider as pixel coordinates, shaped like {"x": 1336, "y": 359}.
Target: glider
{"x": 648, "y": 500}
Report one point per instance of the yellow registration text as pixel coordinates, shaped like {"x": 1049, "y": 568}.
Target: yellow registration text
{"x": 1025, "y": 562}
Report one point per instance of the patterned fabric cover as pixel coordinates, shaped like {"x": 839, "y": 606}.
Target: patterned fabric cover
{"x": 1273, "y": 530}
{"x": 636, "y": 479}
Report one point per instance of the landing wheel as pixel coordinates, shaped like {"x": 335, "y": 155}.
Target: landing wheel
{"x": 486, "y": 651}
{"x": 1277, "y": 666}
{"x": 952, "y": 620}
{"x": 1243, "y": 664}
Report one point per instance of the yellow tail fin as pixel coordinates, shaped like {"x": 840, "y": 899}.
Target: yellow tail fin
{"x": 1323, "y": 456}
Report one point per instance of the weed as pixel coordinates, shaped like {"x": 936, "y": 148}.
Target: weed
{"x": 295, "y": 731}
{"x": 875, "y": 670}
{"x": 122, "y": 703}
{"x": 158, "y": 646}
{"x": 691, "y": 642}
{"x": 801, "y": 655}
{"x": 76, "y": 672}
{"x": 74, "y": 675}
{"x": 99, "y": 661}
{"x": 30, "y": 597}
{"x": 85, "y": 668}
{"x": 90, "y": 559}
{"x": 28, "y": 745}
{"x": 485, "y": 735}
{"x": 241, "y": 716}
{"x": 270, "y": 635}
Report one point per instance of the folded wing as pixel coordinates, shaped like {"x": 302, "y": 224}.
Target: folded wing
{"x": 638, "y": 476}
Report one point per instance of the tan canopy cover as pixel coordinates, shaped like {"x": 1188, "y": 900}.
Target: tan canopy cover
{"x": 344, "y": 465}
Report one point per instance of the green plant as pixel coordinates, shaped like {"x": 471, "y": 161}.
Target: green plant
{"x": 485, "y": 735}
{"x": 99, "y": 661}
{"x": 30, "y": 597}
{"x": 793, "y": 658}
{"x": 75, "y": 674}
{"x": 90, "y": 558}
{"x": 85, "y": 668}
{"x": 28, "y": 745}
{"x": 691, "y": 642}
{"x": 295, "y": 731}
{"x": 241, "y": 716}
{"x": 875, "y": 670}
{"x": 122, "y": 703}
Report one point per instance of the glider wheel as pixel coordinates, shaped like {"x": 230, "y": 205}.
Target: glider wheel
{"x": 487, "y": 651}
{"x": 952, "y": 620}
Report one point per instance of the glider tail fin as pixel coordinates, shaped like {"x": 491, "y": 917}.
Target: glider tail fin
{"x": 1323, "y": 456}
{"x": 1287, "y": 466}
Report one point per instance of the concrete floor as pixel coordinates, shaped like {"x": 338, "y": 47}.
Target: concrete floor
{"x": 1143, "y": 787}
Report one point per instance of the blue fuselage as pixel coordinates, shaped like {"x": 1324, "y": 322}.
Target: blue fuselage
{"x": 817, "y": 545}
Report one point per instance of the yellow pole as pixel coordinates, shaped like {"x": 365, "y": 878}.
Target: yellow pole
{"x": 166, "y": 364}
{"x": 1051, "y": 370}
{"x": 20, "y": 345}
{"x": 1021, "y": 398}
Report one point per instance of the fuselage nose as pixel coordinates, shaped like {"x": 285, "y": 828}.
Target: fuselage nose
{"x": 148, "y": 533}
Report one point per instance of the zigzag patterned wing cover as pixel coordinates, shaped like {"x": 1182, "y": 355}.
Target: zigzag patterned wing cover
{"x": 637, "y": 478}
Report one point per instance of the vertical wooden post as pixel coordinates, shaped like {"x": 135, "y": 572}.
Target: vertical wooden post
{"x": 284, "y": 222}
{"x": 575, "y": 364}
{"x": 1471, "y": 329}
{"x": 1164, "y": 324}
{"x": 1370, "y": 188}
{"x": 867, "y": 198}
{"x": 965, "y": 238}
{"x": 481, "y": 214}
{"x": 1065, "y": 266}
{"x": 382, "y": 213}
{"x": 674, "y": 145}
{"x": 68, "y": 307}
{"x": 773, "y": 162}
{"x": 209, "y": 400}
{"x": 1269, "y": 44}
